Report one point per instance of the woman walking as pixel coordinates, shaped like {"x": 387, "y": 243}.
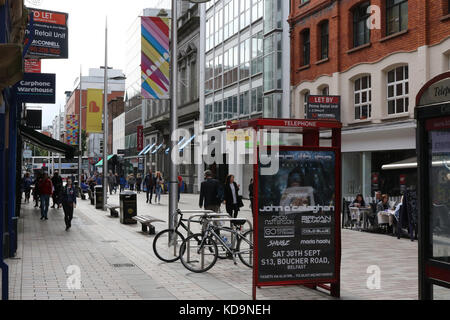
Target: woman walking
{"x": 158, "y": 186}
{"x": 131, "y": 181}
{"x": 138, "y": 183}
{"x": 69, "y": 202}
{"x": 27, "y": 182}
{"x": 231, "y": 196}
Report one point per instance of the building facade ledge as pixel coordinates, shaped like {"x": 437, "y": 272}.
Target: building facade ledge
{"x": 355, "y": 49}
{"x": 395, "y": 35}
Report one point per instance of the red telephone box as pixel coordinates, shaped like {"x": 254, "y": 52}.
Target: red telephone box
{"x": 433, "y": 151}
{"x": 297, "y": 197}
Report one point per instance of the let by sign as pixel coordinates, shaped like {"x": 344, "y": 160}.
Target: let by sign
{"x": 324, "y": 108}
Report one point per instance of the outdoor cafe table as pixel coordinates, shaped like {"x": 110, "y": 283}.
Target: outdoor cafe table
{"x": 357, "y": 212}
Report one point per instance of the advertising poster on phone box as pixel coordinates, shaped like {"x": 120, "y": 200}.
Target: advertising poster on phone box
{"x": 296, "y": 218}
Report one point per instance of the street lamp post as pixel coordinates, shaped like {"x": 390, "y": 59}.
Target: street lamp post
{"x": 80, "y": 141}
{"x": 105, "y": 119}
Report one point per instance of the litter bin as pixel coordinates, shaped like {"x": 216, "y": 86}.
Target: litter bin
{"x": 98, "y": 193}
{"x": 128, "y": 207}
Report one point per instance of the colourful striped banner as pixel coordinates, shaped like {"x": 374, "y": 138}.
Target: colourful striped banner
{"x": 72, "y": 127}
{"x": 155, "y": 58}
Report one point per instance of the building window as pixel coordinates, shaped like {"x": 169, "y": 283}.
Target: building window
{"x": 324, "y": 40}
{"x": 257, "y": 53}
{"x": 218, "y": 69}
{"x": 305, "y": 47}
{"x": 257, "y": 99}
{"x": 208, "y": 114}
{"x": 258, "y": 9}
{"x": 325, "y": 91}
{"x": 361, "y": 32}
{"x": 218, "y": 23}
{"x": 244, "y": 104}
{"x": 209, "y": 75}
{"x": 396, "y": 16}
{"x": 217, "y": 111}
{"x": 363, "y": 98}
{"x": 305, "y": 101}
{"x": 398, "y": 90}
{"x": 245, "y": 13}
{"x": 244, "y": 68}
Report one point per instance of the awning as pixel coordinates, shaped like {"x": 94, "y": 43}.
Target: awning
{"x": 100, "y": 163}
{"x": 181, "y": 140}
{"x": 159, "y": 147}
{"x": 47, "y": 142}
{"x": 411, "y": 163}
{"x": 143, "y": 150}
{"x": 148, "y": 150}
{"x": 187, "y": 142}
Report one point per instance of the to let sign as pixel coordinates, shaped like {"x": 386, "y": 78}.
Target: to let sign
{"x": 324, "y": 108}
{"x": 48, "y": 35}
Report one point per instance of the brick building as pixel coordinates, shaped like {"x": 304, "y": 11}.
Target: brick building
{"x": 376, "y": 55}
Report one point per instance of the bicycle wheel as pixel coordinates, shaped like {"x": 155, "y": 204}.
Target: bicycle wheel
{"x": 165, "y": 250}
{"x": 198, "y": 254}
{"x": 245, "y": 248}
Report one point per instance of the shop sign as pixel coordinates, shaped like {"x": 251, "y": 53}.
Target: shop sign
{"x": 140, "y": 137}
{"x": 36, "y": 88}
{"x": 34, "y": 119}
{"x": 296, "y": 218}
{"x": 323, "y": 108}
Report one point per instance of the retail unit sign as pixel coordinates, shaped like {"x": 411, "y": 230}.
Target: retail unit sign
{"x": 36, "y": 88}
{"x": 324, "y": 108}
{"x": 48, "y": 35}
{"x": 296, "y": 218}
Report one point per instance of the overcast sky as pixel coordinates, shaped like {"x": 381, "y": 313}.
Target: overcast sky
{"x": 87, "y": 37}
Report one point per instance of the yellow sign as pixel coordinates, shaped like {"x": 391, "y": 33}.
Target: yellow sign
{"x": 94, "y": 110}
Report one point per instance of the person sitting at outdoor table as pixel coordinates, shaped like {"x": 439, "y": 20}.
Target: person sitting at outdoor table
{"x": 358, "y": 202}
{"x": 383, "y": 205}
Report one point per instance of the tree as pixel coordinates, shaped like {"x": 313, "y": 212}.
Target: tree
{"x": 39, "y": 152}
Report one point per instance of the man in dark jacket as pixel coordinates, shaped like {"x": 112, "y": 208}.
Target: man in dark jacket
{"x": 211, "y": 193}
{"x": 57, "y": 184}
{"x": 69, "y": 202}
{"x": 149, "y": 183}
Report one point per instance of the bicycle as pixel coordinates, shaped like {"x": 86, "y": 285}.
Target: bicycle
{"x": 167, "y": 242}
{"x": 192, "y": 250}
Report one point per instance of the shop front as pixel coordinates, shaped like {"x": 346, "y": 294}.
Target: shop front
{"x": 377, "y": 157}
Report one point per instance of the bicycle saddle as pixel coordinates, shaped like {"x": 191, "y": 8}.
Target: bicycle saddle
{"x": 239, "y": 222}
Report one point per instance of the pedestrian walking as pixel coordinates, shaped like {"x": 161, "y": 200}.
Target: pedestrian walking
{"x": 131, "y": 181}
{"x": 36, "y": 194}
{"x": 211, "y": 193}
{"x": 149, "y": 183}
{"x": 111, "y": 182}
{"x": 250, "y": 193}
{"x": 159, "y": 185}
{"x": 180, "y": 184}
{"x": 138, "y": 183}
{"x": 26, "y": 183}
{"x": 122, "y": 183}
{"x": 45, "y": 191}
{"x": 116, "y": 182}
{"x": 232, "y": 203}
{"x": 69, "y": 202}
{"x": 57, "y": 185}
